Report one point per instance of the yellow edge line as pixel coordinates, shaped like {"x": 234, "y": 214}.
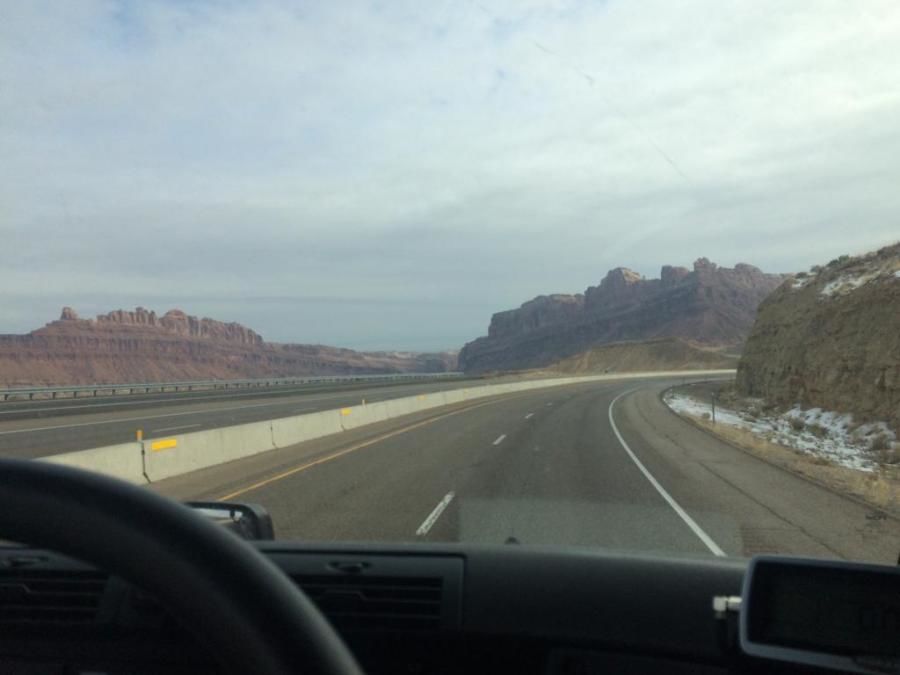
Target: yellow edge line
{"x": 345, "y": 451}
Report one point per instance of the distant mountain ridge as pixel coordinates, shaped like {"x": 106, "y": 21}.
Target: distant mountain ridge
{"x": 709, "y": 305}
{"x": 142, "y": 346}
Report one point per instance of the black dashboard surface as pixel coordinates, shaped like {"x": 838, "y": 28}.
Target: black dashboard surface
{"x": 401, "y": 608}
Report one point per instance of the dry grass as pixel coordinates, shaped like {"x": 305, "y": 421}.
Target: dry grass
{"x": 879, "y": 488}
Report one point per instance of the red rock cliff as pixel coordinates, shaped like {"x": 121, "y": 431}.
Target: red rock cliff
{"x": 141, "y": 346}
{"x": 710, "y": 305}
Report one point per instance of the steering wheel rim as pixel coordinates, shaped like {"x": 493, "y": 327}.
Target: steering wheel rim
{"x": 240, "y": 606}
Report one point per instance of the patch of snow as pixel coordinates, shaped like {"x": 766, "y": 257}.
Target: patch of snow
{"x": 846, "y": 283}
{"x": 897, "y": 274}
{"x": 800, "y": 283}
{"x": 691, "y": 406}
{"x": 822, "y": 433}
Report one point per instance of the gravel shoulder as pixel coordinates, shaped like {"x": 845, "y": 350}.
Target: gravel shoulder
{"x": 828, "y": 454}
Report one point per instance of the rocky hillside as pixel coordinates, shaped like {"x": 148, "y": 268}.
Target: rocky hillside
{"x": 660, "y": 354}
{"x": 710, "y": 305}
{"x": 830, "y": 338}
{"x": 141, "y": 346}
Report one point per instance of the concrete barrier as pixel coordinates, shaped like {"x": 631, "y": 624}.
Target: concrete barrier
{"x": 288, "y": 431}
{"x": 175, "y": 455}
{"x": 361, "y": 415}
{"x": 163, "y": 458}
{"x": 120, "y": 461}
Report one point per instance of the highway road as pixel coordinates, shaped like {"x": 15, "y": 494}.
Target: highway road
{"x": 32, "y": 429}
{"x": 599, "y": 465}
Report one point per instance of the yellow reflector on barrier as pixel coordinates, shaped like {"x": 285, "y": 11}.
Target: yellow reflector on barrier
{"x": 345, "y": 411}
{"x": 165, "y": 444}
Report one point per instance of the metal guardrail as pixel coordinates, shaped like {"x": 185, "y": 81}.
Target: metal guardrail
{"x": 198, "y": 385}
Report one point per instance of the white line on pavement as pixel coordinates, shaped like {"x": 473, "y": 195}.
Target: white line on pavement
{"x": 183, "y": 426}
{"x": 529, "y": 416}
{"x": 549, "y": 404}
{"x": 690, "y": 522}
{"x": 499, "y": 439}
{"x": 178, "y": 414}
{"x": 434, "y": 515}
{"x": 315, "y": 396}
{"x": 134, "y": 419}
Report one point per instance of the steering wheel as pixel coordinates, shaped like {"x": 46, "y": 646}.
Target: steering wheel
{"x": 242, "y": 608}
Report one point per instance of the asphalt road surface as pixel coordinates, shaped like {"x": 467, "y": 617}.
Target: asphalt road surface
{"x": 32, "y": 429}
{"x": 598, "y": 465}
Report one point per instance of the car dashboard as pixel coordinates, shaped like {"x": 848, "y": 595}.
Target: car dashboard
{"x": 402, "y": 608}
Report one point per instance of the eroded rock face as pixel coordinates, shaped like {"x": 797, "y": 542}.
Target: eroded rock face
{"x": 176, "y": 322}
{"x": 141, "y": 346}
{"x": 831, "y": 339}
{"x": 544, "y": 310}
{"x": 710, "y": 305}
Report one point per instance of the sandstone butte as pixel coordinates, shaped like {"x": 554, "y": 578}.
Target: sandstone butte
{"x": 142, "y": 346}
{"x": 830, "y": 338}
{"x": 709, "y": 306}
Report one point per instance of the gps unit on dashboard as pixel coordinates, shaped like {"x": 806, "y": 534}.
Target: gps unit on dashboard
{"x": 830, "y": 614}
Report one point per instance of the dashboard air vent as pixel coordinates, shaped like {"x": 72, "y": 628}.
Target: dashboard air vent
{"x": 30, "y": 597}
{"x": 362, "y": 602}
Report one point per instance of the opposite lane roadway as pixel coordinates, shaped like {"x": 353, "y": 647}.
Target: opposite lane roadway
{"x": 32, "y": 429}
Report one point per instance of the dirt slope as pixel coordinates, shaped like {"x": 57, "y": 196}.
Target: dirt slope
{"x": 661, "y": 354}
{"x": 831, "y": 339}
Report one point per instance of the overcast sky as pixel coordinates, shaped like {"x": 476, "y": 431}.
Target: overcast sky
{"x": 388, "y": 174}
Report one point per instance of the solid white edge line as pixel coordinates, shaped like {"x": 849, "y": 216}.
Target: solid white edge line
{"x": 690, "y": 522}
{"x": 499, "y": 440}
{"x": 159, "y": 416}
{"x": 149, "y": 417}
{"x": 189, "y": 399}
{"x": 434, "y": 515}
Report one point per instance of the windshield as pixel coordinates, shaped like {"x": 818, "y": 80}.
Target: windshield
{"x": 616, "y": 275}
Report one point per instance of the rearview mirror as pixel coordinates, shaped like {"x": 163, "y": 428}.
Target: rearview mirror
{"x": 248, "y": 521}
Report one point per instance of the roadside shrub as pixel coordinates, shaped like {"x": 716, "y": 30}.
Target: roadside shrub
{"x": 880, "y": 443}
{"x": 817, "y": 430}
{"x": 889, "y": 456}
{"x": 853, "y": 427}
{"x": 797, "y": 424}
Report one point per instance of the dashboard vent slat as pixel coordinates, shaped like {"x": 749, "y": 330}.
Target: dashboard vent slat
{"x": 30, "y": 597}
{"x": 362, "y": 602}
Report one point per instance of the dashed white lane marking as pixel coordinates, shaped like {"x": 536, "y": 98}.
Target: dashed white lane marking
{"x": 529, "y": 416}
{"x": 690, "y": 522}
{"x": 434, "y": 515}
{"x": 499, "y": 440}
{"x": 183, "y": 426}
{"x": 549, "y": 404}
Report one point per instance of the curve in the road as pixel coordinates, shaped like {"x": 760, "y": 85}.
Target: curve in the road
{"x": 574, "y": 467}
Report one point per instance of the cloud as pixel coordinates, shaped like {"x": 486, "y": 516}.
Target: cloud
{"x": 451, "y": 160}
